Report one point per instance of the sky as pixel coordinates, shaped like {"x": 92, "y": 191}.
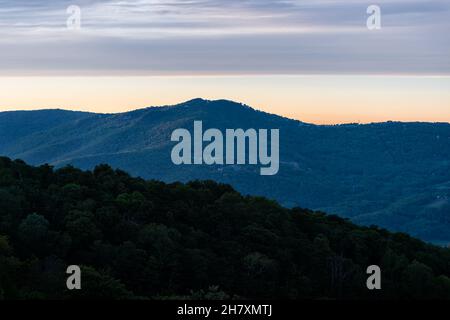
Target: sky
{"x": 314, "y": 60}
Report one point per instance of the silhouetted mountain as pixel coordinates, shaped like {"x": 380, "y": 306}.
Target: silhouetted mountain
{"x": 395, "y": 175}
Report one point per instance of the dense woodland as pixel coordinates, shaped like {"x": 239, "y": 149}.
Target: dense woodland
{"x": 137, "y": 239}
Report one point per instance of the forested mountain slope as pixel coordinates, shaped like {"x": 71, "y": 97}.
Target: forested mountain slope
{"x": 146, "y": 239}
{"x": 395, "y": 175}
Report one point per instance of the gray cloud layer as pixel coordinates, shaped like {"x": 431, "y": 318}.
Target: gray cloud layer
{"x": 233, "y": 36}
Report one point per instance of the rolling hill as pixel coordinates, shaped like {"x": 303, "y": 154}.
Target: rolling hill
{"x": 395, "y": 175}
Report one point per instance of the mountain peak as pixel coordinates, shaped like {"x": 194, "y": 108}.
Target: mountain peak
{"x": 196, "y": 101}
{"x": 200, "y": 102}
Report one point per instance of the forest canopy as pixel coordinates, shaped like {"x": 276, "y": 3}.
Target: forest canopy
{"x": 138, "y": 239}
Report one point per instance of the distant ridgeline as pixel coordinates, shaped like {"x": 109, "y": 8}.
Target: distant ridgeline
{"x": 137, "y": 239}
{"x": 394, "y": 175}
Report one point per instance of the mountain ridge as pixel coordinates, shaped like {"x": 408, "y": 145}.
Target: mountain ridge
{"x": 393, "y": 174}
{"x": 196, "y": 101}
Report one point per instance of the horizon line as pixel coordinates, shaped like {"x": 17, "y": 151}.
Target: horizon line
{"x": 226, "y": 100}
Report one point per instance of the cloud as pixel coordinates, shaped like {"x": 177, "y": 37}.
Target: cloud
{"x": 216, "y": 36}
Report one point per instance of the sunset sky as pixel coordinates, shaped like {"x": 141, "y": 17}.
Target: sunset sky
{"x": 313, "y": 60}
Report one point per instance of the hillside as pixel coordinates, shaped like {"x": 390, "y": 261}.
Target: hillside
{"x": 138, "y": 239}
{"x": 395, "y": 175}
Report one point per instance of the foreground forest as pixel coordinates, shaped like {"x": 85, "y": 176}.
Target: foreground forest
{"x": 137, "y": 239}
